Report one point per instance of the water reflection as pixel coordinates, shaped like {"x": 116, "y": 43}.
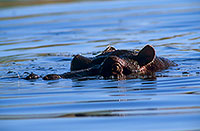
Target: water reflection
{"x": 112, "y": 113}
{"x": 10, "y": 3}
{"x": 43, "y": 36}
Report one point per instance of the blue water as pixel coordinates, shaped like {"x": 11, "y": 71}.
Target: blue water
{"x": 43, "y": 37}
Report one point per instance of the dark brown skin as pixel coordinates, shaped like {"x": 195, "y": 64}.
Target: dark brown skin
{"x": 118, "y": 64}
{"x": 32, "y": 76}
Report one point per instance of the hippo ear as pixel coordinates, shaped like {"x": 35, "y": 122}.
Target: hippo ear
{"x": 109, "y": 49}
{"x": 146, "y": 55}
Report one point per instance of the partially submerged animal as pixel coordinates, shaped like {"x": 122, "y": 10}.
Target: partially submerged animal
{"x": 113, "y": 63}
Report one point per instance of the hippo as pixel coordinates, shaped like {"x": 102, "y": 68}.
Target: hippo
{"x": 114, "y": 64}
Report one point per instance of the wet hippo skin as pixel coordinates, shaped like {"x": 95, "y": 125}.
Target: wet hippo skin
{"x": 117, "y": 64}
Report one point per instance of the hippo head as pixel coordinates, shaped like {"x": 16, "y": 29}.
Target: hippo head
{"x": 116, "y": 67}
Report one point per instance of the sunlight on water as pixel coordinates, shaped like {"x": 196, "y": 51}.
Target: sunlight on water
{"x": 43, "y": 36}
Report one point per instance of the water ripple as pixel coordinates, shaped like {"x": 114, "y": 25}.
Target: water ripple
{"x": 43, "y": 38}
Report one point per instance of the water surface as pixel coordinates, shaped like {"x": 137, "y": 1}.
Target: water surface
{"x": 42, "y": 38}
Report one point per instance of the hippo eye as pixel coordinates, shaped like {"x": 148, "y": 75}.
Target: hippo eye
{"x": 117, "y": 68}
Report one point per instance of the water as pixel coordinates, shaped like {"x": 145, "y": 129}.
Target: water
{"x": 43, "y": 37}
